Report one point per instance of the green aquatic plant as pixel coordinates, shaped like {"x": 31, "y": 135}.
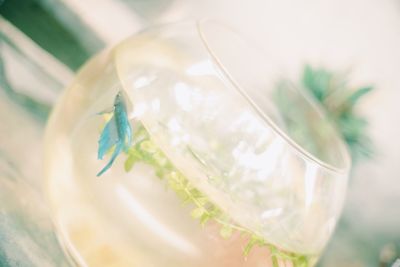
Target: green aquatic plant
{"x": 144, "y": 150}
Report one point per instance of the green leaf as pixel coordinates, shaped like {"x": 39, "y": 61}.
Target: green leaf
{"x": 159, "y": 158}
{"x": 317, "y": 81}
{"x": 148, "y": 147}
{"x": 354, "y": 97}
{"x": 202, "y": 200}
{"x": 160, "y": 173}
{"x": 197, "y": 213}
{"x": 204, "y": 219}
{"x": 246, "y": 251}
{"x": 129, "y": 162}
{"x": 226, "y": 231}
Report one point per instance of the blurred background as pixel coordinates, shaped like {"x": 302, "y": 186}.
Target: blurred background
{"x": 44, "y": 42}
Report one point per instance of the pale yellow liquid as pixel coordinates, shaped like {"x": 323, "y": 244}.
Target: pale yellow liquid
{"x": 123, "y": 219}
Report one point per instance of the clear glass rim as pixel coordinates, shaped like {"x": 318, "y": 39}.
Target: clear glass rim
{"x": 342, "y": 149}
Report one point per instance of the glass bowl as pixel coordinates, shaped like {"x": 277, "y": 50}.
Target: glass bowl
{"x": 219, "y": 159}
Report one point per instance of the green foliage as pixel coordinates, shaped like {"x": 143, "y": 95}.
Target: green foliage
{"x": 339, "y": 100}
{"x": 145, "y": 151}
{"x": 53, "y": 26}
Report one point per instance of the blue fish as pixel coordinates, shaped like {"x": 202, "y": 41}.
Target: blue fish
{"x": 117, "y": 133}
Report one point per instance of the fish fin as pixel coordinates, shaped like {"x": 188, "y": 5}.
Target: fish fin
{"x": 117, "y": 150}
{"x": 108, "y": 138}
{"x": 117, "y": 132}
{"x": 128, "y": 141}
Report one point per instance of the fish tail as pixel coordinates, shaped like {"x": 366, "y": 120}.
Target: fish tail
{"x": 117, "y": 150}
